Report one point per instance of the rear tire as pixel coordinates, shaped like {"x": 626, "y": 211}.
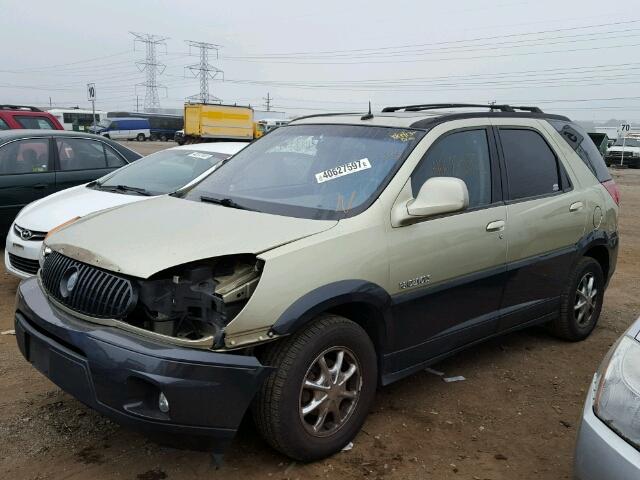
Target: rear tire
{"x": 140, "y": 137}
{"x": 163, "y": 138}
{"x": 318, "y": 398}
{"x": 581, "y": 302}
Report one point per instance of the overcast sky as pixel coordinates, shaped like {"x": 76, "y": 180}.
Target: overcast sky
{"x": 579, "y": 57}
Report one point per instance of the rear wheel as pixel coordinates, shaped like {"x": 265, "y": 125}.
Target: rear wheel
{"x": 140, "y": 137}
{"x": 163, "y": 138}
{"x": 581, "y": 302}
{"x": 317, "y": 399}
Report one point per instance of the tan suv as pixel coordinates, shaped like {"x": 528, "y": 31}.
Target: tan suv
{"x": 333, "y": 256}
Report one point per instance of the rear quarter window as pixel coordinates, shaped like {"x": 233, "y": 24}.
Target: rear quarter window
{"x": 35, "y": 122}
{"x": 579, "y": 140}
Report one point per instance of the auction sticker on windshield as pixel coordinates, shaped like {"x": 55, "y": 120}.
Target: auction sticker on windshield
{"x": 342, "y": 170}
{"x": 202, "y": 156}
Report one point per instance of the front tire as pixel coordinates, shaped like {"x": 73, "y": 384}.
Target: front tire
{"x": 581, "y": 302}
{"x": 319, "y": 396}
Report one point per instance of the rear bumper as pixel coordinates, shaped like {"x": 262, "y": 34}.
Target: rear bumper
{"x": 121, "y": 375}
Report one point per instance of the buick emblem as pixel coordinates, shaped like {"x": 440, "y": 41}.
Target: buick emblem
{"x": 68, "y": 281}
{"x": 25, "y": 234}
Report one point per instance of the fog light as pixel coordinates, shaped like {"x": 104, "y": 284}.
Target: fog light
{"x": 163, "y": 403}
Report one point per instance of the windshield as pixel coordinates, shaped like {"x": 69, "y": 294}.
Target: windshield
{"x": 104, "y": 123}
{"x": 311, "y": 171}
{"x": 165, "y": 171}
{"x": 628, "y": 142}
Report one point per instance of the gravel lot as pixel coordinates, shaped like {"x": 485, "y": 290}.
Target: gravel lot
{"x": 515, "y": 416}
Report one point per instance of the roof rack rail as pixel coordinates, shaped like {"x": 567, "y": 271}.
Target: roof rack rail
{"x": 436, "y": 106}
{"x": 19, "y": 107}
{"x": 327, "y": 115}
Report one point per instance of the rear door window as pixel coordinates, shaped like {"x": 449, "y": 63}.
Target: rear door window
{"x": 80, "y": 154}
{"x": 532, "y": 167}
{"x": 34, "y": 122}
{"x": 582, "y": 144}
{"x": 463, "y": 155}
{"x": 30, "y": 155}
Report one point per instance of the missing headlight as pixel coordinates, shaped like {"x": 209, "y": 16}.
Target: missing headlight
{"x": 197, "y": 300}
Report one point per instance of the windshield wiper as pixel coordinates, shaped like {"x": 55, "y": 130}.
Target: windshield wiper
{"x": 123, "y": 188}
{"x": 225, "y": 202}
{"x": 127, "y": 188}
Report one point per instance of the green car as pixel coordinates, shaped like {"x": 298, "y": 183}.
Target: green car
{"x": 37, "y": 163}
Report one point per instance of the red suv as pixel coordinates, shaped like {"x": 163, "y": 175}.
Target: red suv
{"x": 19, "y": 116}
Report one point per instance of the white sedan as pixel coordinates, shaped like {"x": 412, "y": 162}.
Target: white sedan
{"x": 157, "y": 174}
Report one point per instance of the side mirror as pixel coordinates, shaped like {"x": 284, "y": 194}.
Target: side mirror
{"x": 439, "y": 195}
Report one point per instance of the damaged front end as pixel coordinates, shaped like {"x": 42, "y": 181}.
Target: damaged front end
{"x": 187, "y": 305}
{"x": 195, "y": 302}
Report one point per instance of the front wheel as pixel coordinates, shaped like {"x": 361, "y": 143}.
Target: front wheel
{"x": 317, "y": 399}
{"x": 140, "y": 137}
{"x": 581, "y": 302}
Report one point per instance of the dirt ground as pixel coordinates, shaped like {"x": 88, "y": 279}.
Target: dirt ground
{"x": 515, "y": 416}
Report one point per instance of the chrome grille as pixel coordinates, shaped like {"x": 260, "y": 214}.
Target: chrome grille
{"x": 95, "y": 292}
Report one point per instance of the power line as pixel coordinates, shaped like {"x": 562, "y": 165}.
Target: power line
{"x": 151, "y": 66}
{"x": 414, "y": 45}
{"x": 204, "y": 71}
{"x": 445, "y": 59}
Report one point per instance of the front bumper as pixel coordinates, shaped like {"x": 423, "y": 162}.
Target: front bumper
{"x": 25, "y": 250}
{"x": 600, "y": 452}
{"x": 121, "y": 375}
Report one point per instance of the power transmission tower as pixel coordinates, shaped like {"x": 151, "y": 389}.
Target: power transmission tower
{"x": 150, "y": 66}
{"x": 267, "y": 102}
{"x": 204, "y": 71}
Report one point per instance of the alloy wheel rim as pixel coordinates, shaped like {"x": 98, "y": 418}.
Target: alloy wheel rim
{"x": 586, "y": 297}
{"x": 330, "y": 391}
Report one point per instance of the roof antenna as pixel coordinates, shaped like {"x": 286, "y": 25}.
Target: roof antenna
{"x": 369, "y": 115}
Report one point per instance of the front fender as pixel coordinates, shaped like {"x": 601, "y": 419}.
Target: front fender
{"x": 331, "y": 296}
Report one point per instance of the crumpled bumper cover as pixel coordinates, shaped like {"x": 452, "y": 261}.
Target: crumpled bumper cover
{"x": 121, "y": 375}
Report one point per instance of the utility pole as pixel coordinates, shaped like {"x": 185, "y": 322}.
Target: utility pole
{"x": 150, "y": 66}
{"x": 204, "y": 71}
{"x": 267, "y": 102}
{"x": 137, "y": 103}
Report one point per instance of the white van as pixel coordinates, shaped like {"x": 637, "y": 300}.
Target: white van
{"x": 123, "y": 128}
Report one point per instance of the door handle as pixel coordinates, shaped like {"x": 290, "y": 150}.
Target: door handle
{"x": 495, "y": 226}
{"x": 575, "y": 206}
{"x": 40, "y": 186}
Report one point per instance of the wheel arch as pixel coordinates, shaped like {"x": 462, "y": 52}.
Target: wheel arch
{"x": 601, "y": 246}
{"x": 600, "y": 254}
{"x": 362, "y": 302}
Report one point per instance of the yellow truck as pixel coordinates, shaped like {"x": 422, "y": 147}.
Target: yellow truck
{"x": 207, "y": 122}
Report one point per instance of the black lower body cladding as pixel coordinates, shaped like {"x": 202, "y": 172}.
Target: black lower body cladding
{"x": 122, "y": 375}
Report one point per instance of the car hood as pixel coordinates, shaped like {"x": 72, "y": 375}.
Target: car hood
{"x": 53, "y": 210}
{"x": 147, "y": 237}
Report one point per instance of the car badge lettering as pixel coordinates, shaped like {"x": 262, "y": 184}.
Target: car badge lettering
{"x": 415, "y": 282}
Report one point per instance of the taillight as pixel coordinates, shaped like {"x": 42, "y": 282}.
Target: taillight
{"x": 612, "y": 188}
